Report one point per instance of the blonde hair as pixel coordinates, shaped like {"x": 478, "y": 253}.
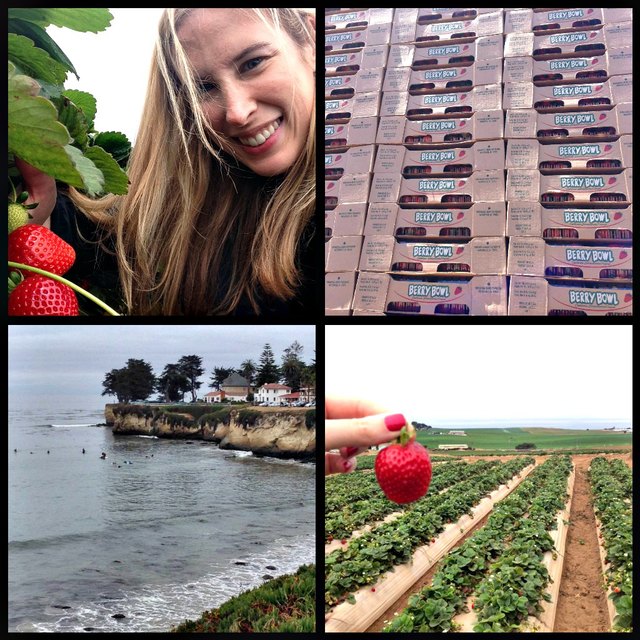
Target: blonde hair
{"x": 197, "y": 233}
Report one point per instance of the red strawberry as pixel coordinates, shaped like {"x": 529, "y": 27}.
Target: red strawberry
{"x": 41, "y": 296}
{"x": 39, "y": 247}
{"x": 403, "y": 469}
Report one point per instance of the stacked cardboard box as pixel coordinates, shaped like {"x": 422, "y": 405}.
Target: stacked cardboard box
{"x": 567, "y": 97}
{"x": 429, "y": 113}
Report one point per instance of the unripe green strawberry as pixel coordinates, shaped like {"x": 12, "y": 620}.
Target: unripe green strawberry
{"x": 403, "y": 470}
{"x": 18, "y": 216}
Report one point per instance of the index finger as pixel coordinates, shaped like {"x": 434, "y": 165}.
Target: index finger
{"x": 336, "y": 407}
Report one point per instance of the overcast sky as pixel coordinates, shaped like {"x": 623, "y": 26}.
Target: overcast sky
{"x": 58, "y": 361}
{"x": 439, "y": 374}
{"x": 113, "y": 66}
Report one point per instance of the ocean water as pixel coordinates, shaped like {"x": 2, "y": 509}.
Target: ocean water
{"x": 159, "y": 531}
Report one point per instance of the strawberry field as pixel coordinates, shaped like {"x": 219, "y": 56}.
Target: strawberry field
{"x": 527, "y": 544}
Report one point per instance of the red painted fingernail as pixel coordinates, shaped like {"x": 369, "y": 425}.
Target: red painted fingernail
{"x": 350, "y": 451}
{"x": 395, "y": 422}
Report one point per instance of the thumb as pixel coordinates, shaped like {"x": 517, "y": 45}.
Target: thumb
{"x": 363, "y": 432}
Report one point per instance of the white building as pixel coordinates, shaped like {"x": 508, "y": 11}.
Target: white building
{"x": 457, "y": 433}
{"x": 271, "y": 392}
{"x": 214, "y": 396}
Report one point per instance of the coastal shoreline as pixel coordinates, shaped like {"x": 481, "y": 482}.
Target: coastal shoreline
{"x": 286, "y": 433}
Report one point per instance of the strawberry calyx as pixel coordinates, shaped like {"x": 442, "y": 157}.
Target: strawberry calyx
{"x": 406, "y": 436}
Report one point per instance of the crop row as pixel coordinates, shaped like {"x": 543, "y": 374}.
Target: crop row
{"x": 501, "y": 563}
{"x": 391, "y": 544}
{"x": 375, "y": 505}
{"x": 611, "y": 485}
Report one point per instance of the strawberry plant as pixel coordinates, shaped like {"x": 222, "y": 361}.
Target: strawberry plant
{"x": 52, "y": 128}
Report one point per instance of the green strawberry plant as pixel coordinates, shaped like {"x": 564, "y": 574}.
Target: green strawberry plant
{"x": 50, "y": 127}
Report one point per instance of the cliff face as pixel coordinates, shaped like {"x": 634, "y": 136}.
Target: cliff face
{"x": 278, "y": 433}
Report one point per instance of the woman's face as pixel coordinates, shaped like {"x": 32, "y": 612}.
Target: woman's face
{"x": 257, "y": 88}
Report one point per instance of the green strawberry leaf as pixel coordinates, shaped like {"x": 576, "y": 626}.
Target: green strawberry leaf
{"x": 93, "y": 20}
{"x": 92, "y": 177}
{"x": 34, "y": 61}
{"x": 34, "y": 133}
{"x": 85, "y": 102}
{"x": 115, "y": 143}
{"x": 115, "y": 179}
{"x": 41, "y": 39}
{"x": 72, "y": 118}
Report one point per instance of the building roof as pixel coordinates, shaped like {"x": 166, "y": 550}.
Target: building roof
{"x": 274, "y": 385}
{"x": 214, "y": 393}
{"x": 235, "y": 380}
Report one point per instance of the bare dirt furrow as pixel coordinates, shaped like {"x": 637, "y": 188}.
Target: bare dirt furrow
{"x": 582, "y": 605}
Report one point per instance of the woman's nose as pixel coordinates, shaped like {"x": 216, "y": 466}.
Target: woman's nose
{"x": 239, "y": 105}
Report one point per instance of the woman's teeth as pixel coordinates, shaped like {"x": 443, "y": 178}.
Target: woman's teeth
{"x": 263, "y": 136}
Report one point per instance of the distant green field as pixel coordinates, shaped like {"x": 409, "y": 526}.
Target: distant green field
{"x": 507, "y": 439}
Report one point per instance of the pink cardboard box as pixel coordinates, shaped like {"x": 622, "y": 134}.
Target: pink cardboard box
{"x": 582, "y": 96}
{"x": 438, "y": 105}
{"x": 477, "y": 256}
{"x": 561, "y": 71}
{"x": 345, "y": 61}
{"x": 346, "y": 220}
{"x": 584, "y": 157}
{"x": 594, "y": 95}
{"x": 603, "y": 225}
{"x": 574, "y": 126}
{"x": 483, "y": 125}
{"x": 362, "y": 105}
{"x": 530, "y": 256}
{"x": 353, "y": 160}
{"x": 358, "y": 131}
{"x": 552, "y": 20}
{"x": 431, "y": 295}
{"x": 358, "y": 81}
{"x": 338, "y": 292}
{"x": 370, "y": 36}
{"x": 351, "y": 188}
{"x": 530, "y": 296}
{"x": 486, "y": 48}
{"x": 594, "y": 190}
{"x": 448, "y": 79}
{"x": 349, "y": 18}
{"x": 411, "y": 193}
{"x": 487, "y": 24}
{"x": 485, "y": 155}
{"x": 587, "y": 42}
{"x": 556, "y": 45}
{"x": 481, "y": 219}
{"x": 343, "y": 253}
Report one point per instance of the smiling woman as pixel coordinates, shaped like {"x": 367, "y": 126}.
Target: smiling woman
{"x": 219, "y": 215}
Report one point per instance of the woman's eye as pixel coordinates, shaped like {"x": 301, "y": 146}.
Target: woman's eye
{"x": 253, "y": 63}
{"x": 206, "y": 87}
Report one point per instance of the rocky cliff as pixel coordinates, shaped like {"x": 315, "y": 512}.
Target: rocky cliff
{"x": 274, "y": 432}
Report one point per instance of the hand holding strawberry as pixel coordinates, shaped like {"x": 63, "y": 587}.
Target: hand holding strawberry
{"x": 403, "y": 469}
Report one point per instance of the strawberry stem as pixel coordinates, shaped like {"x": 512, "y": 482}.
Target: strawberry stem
{"x": 407, "y": 434}
{"x": 72, "y": 285}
